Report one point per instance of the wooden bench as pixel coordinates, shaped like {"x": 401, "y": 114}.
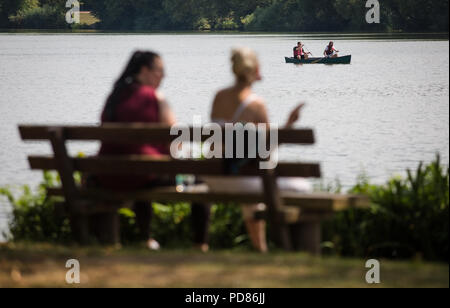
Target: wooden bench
{"x": 295, "y": 218}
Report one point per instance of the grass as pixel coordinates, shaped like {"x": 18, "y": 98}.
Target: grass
{"x": 43, "y": 265}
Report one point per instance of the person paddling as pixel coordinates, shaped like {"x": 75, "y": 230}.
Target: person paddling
{"x": 299, "y": 52}
{"x": 330, "y": 51}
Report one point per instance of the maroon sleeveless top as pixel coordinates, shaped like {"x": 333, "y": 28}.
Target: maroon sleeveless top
{"x": 141, "y": 106}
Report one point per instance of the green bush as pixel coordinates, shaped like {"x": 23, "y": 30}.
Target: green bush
{"x": 11, "y": 7}
{"x": 227, "y": 24}
{"x": 35, "y": 217}
{"x": 202, "y": 24}
{"x": 409, "y": 217}
{"x": 172, "y": 226}
{"x": 45, "y": 17}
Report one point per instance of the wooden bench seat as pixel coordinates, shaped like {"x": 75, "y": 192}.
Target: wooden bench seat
{"x": 314, "y": 202}
{"x": 294, "y": 217}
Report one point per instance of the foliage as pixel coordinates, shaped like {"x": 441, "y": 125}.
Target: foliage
{"x": 172, "y": 226}
{"x": 254, "y": 15}
{"x": 40, "y": 17}
{"x": 37, "y": 218}
{"x": 33, "y": 14}
{"x": 34, "y": 217}
{"x": 8, "y": 8}
{"x": 409, "y": 217}
{"x": 349, "y": 15}
{"x": 269, "y": 15}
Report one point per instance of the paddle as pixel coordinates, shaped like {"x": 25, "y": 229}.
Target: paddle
{"x": 307, "y": 49}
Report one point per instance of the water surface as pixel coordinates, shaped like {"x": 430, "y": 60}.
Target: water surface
{"x": 385, "y": 112}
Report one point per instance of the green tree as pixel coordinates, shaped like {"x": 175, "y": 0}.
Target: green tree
{"x": 8, "y": 8}
{"x": 50, "y": 14}
{"x": 151, "y": 16}
{"x": 424, "y": 15}
{"x": 184, "y": 13}
{"x": 349, "y": 15}
{"x": 257, "y": 15}
{"x": 128, "y": 14}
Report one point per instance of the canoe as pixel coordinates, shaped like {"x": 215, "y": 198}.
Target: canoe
{"x": 338, "y": 60}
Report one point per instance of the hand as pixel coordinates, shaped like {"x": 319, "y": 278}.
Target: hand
{"x": 295, "y": 115}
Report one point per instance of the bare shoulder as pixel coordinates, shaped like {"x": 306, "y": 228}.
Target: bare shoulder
{"x": 258, "y": 104}
{"x": 258, "y": 108}
{"x": 221, "y": 97}
{"x": 160, "y": 96}
{"x": 223, "y": 93}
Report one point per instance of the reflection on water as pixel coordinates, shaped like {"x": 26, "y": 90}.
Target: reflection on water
{"x": 384, "y": 113}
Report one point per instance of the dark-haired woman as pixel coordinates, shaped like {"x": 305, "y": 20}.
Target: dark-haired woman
{"x": 136, "y": 99}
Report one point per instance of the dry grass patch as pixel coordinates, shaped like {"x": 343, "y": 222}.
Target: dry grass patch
{"x": 44, "y": 266}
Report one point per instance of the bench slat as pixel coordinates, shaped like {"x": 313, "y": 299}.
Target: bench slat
{"x": 141, "y": 133}
{"x": 312, "y": 203}
{"x": 142, "y": 165}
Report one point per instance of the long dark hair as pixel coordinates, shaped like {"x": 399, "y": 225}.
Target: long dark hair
{"x": 127, "y": 83}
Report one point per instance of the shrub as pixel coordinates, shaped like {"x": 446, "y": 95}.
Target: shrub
{"x": 172, "y": 226}
{"x": 409, "y": 217}
{"x": 45, "y": 17}
{"x": 35, "y": 217}
{"x": 202, "y": 24}
{"x": 227, "y": 23}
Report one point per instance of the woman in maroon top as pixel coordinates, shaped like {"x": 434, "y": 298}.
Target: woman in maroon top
{"x": 136, "y": 99}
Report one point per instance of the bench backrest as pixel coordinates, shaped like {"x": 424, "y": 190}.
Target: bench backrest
{"x": 138, "y": 165}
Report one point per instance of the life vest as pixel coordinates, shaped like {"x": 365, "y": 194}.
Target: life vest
{"x": 298, "y": 52}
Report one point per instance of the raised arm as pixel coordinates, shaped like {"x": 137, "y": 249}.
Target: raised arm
{"x": 295, "y": 115}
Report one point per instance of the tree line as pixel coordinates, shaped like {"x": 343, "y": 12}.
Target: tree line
{"x": 248, "y": 15}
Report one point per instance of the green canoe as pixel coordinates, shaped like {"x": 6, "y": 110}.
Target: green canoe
{"x": 339, "y": 60}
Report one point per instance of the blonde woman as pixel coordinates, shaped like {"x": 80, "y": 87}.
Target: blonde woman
{"x": 238, "y": 104}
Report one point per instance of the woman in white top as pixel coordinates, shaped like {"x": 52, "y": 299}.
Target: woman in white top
{"x": 238, "y": 104}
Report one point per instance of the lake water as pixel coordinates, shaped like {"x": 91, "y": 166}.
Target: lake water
{"x": 385, "y": 112}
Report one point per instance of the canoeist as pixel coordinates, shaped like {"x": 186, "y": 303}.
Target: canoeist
{"x": 299, "y": 52}
{"x": 330, "y": 51}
